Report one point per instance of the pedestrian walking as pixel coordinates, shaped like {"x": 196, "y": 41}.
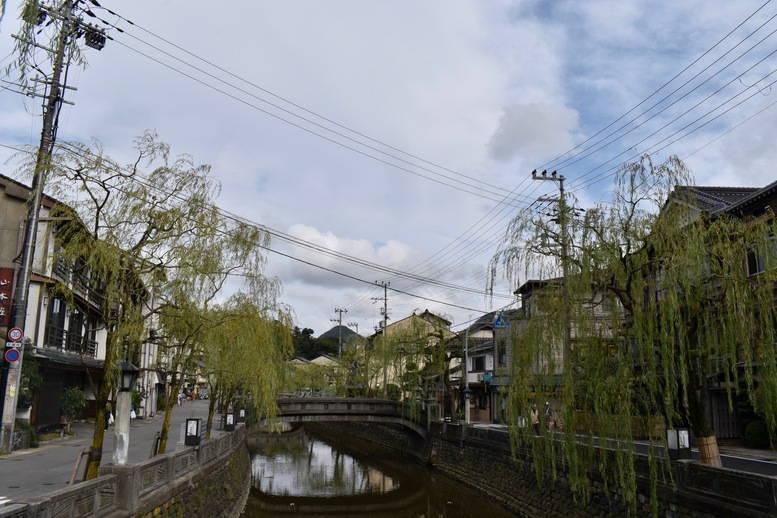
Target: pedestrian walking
{"x": 108, "y": 414}
{"x": 535, "y": 419}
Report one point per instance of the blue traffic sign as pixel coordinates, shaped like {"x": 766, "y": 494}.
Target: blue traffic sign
{"x": 501, "y": 322}
{"x": 12, "y": 355}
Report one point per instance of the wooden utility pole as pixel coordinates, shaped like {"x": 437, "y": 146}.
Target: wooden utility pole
{"x": 563, "y": 221}
{"x": 384, "y": 312}
{"x": 70, "y": 28}
{"x": 18, "y": 316}
{"x": 339, "y": 322}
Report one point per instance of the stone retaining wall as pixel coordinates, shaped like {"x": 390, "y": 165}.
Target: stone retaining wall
{"x": 482, "y": 459}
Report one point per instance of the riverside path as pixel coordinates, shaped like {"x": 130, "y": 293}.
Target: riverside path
{"x": 36, "y": 471}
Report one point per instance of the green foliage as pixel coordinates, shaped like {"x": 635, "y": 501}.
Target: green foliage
{"x": 35, "y": 438}
{"x": 248, "y": 348}
{"x": 37, "y": 42}
{"x": 757, "y": 435}
{"x": 31, "y": 378}
{"x": 72, "y": 405}
{"x": 150, "y": 238}
{"x": 394, "y": 393}
{"x": 137, "y": 398}
{"x": 308, "y": 347}
{"x": 642, "y": 301}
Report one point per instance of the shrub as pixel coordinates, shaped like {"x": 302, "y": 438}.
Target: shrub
{"x": 73, "y": 404}
{"x": 34, "y": 437}
{"x": 757, "y": 435}
{"x": 393, "y": 392}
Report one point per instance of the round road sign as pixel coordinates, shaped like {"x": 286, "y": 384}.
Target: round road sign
{"x": 15, "y": 334}
{"x": 12, "y": 355}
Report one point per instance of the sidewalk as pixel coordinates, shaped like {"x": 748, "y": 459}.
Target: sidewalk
{"x": 745, "y": 452}
{"x": 35, "y": 471}
{"x": 749, "y": 453}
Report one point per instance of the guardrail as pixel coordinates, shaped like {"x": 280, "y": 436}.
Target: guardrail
{"x": 127, "y": 490}
{"x": 305, "y": 409}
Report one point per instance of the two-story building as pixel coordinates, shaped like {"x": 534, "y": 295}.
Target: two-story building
{"x": 66, "y": 318}
{"x": 744, "y": 203}
{"x": 412, "y": 355}
{"x": 68, "y": 339}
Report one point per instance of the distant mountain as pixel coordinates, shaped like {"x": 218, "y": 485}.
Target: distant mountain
{"x": 335, "y": 333}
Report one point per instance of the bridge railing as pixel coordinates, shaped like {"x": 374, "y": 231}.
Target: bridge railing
{"x": 356, "y": 409}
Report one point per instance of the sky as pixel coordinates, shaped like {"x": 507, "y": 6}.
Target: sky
{"x": 392, "y": 141}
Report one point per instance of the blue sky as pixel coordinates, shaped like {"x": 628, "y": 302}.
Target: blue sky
{"x": 404, "y": 133}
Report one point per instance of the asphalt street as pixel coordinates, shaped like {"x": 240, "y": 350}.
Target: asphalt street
{"x": 29, "y": 473}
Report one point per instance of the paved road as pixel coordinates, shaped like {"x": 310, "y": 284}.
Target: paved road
{"x": 36, "y": 471}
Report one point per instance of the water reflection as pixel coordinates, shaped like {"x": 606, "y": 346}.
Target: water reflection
{"x": 305, "y": 466}
{"x": 301, "y": 474}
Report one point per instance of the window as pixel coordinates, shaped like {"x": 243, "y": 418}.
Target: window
{"x": 55, "y": 324}
{"x": 756, "y": 259}
{"x": 755, "y": 263}
{"x": 502, "y": 352}
{"x": 478, "y": 363}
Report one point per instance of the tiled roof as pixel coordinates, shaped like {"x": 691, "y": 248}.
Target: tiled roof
{"x": 717, "y": 200}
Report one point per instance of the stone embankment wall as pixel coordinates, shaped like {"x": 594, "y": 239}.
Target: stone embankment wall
{"x": 482, "y": 459}
{"x": 212, "y": 479}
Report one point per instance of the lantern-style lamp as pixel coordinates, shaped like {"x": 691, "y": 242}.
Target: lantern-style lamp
{"x": 467, "y": 398}
{"x": 192, "y": 437}
{"x": 129, "y": 375}
{"x": 678, "y": 442}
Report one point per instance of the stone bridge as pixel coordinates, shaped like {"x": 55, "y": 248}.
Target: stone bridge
{"x": 317, "y": 409}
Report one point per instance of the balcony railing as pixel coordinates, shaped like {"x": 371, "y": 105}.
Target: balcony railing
{"x": 55, "y": 337}
{"x": 81, "y": 345}
{"x": 62, "y": 340}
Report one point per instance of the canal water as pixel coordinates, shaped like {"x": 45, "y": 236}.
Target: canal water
{"x": 300, "y": 474}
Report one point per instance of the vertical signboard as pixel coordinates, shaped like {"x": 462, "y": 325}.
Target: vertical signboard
{"x": 6, "y": 285}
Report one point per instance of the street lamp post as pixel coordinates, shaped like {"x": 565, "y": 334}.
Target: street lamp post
{"x": 467, "y": 397}
{"x": 127, "y": 379}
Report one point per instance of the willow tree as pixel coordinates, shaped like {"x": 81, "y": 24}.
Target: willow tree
{"x": 414, "y": 355}
{"x": 247, "y": 353}
{"x": 149, "y": 243}
{"x": 654, "y": 305}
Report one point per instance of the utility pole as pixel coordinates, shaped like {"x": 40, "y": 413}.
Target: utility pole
{"x": 53, "y": 101}
{"x": 339, "y": 322}
{"x": 467, "y": 391}
{"x": 384, "y": 312}
{"x": 354, "y": 325}
{"x": 563, "y": 220}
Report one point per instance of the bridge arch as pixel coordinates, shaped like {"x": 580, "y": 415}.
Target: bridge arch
{"x": 322, "y": 409}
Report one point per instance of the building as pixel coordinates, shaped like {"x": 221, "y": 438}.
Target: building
{"x": 66, "y": 322}
{"x": 486, "y": 347}
{"x": 745, "y": 204}
{"x": 68, "y": 338}
{"x": 411, "y": 356}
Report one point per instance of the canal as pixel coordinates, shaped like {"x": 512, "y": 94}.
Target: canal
{"x": 301, "y": 474}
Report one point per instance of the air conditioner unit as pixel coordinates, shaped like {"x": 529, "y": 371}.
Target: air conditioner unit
{"x": 480, "y": 376}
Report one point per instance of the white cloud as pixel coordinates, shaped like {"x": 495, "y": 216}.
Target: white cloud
{"x": 467, "y": 93}
{"x": 534, "y": 130}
